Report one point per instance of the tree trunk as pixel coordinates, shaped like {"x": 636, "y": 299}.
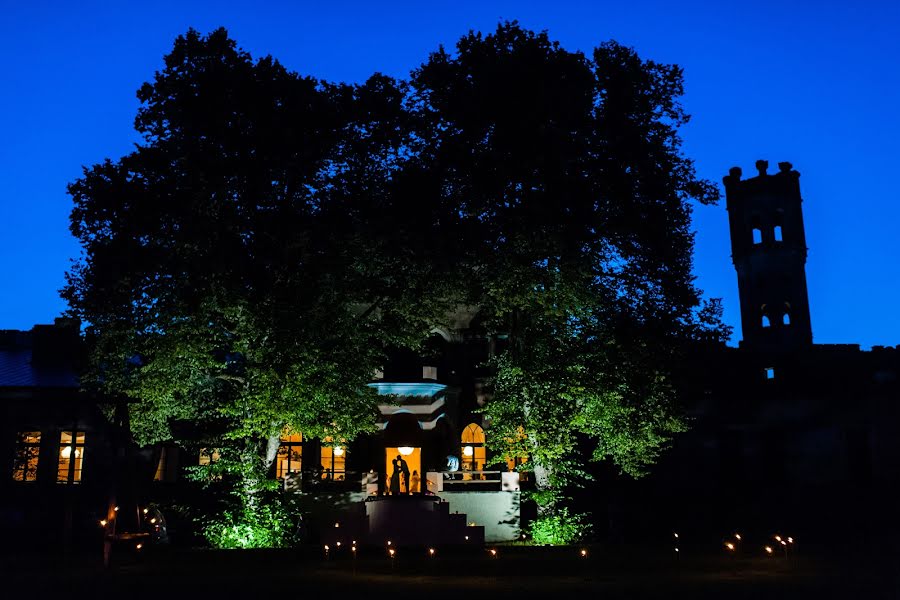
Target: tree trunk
{"x": 272, "y": 445}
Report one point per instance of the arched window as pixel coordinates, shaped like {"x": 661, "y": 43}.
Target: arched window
{"x": 765, "y": 321}
{"x": 473, "y": 452}
{"x": 290, "y": 454}
{"x": 786, "y": 317}
{"x": 778, "y": 237}
{"x": 757, "y": 236}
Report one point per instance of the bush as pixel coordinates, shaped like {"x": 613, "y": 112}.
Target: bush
{"x": 252, "y": 525}
{"x": 559, "y": 528}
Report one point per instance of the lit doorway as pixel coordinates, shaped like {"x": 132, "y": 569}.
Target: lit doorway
{"x": 412, "y": 460}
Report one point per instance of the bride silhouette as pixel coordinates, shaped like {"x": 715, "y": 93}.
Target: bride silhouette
{"x": 399, "y": 466}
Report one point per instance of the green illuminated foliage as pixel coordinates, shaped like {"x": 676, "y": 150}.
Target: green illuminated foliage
{"x": 559, "y": 529}
{"x": 246, "y": 267}
{"x": 250, "y": 264}
{"x": 574, "y": 198}
{"x": 251, "y": 525}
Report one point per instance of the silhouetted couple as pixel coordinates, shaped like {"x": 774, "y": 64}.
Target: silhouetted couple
{"x": 400, "y": 468}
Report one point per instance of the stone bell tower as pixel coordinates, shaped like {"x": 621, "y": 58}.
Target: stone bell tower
{"x": 768, "y": 248}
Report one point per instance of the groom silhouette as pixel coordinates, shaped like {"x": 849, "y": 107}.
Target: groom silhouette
{"x": 404, "y": 469}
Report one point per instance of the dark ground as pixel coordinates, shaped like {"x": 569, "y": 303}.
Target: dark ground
{"x": 516, "y": 571}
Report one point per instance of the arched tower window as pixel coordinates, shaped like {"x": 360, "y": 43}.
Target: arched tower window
{"x": 290, "y": 454}
{"x": 473, "y": 451}
{"x": 778, "y": 236}
{"x": 765, "y": 321}
{"x": 757, "y": 236}
{"x": 786, "y": 317}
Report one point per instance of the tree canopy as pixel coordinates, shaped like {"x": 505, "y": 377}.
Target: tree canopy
{"x": 249, "y": 264}
{"x": 574, "y": 199}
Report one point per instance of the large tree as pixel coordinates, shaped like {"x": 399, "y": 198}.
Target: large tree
{"x": 248, "y": 265}
{"x": 574, "y": 198}
{"x": 240, "y": 270}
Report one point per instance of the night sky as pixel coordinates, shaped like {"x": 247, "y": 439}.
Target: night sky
{"x": 813, "y": 83}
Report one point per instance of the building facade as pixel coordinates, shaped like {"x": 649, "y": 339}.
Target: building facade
{"x": 785, "y": 434}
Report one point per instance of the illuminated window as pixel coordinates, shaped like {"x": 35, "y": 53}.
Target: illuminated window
{"x": 757, "y": 235}
{"x": 168, "y": 462}
{"x": 770, "y": 372}
{"x": 208, "y": 457}
{"x": 290, "y": 454}
{"x": 334, "y": 460}
{"x": 71, "y": 457}
{"x": 778, "y": 237}
{"x": 765, "y": 321}
{"x": 473, "y": 452}
{"x": 25, "y": 463}
{"x": 786, "y": 319}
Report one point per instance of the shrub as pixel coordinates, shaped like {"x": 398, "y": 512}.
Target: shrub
{"x": 251, "y": 525}
{"x": 559, "y": 528}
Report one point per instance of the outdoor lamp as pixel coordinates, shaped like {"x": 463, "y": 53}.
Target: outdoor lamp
{"x": 338, "y": 451}
{"x": 468, "y": 451}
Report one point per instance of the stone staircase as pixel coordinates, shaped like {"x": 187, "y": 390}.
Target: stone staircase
{"x": 404, "y": 521}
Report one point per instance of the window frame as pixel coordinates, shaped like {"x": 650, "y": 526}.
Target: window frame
{"x": 26, "y": 459}
{"x": 70, "y": 471}
{"x": 479, "y": 450}
{"x": 289, "y": 446}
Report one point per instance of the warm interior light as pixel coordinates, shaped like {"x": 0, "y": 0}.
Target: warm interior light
{"x": 468, "y": 450}
{"x": 67, "y": 452}
{"x": 406, "y": 450}
{"x": 338, "y": 451}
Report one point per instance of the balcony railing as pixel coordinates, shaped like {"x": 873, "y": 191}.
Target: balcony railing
{"x": 473, "y": 481}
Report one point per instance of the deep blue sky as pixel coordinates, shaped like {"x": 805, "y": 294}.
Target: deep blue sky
{"x": 813, "y": 83}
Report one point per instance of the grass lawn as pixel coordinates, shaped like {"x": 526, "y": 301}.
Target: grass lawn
{"x": 515, "y": 571}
